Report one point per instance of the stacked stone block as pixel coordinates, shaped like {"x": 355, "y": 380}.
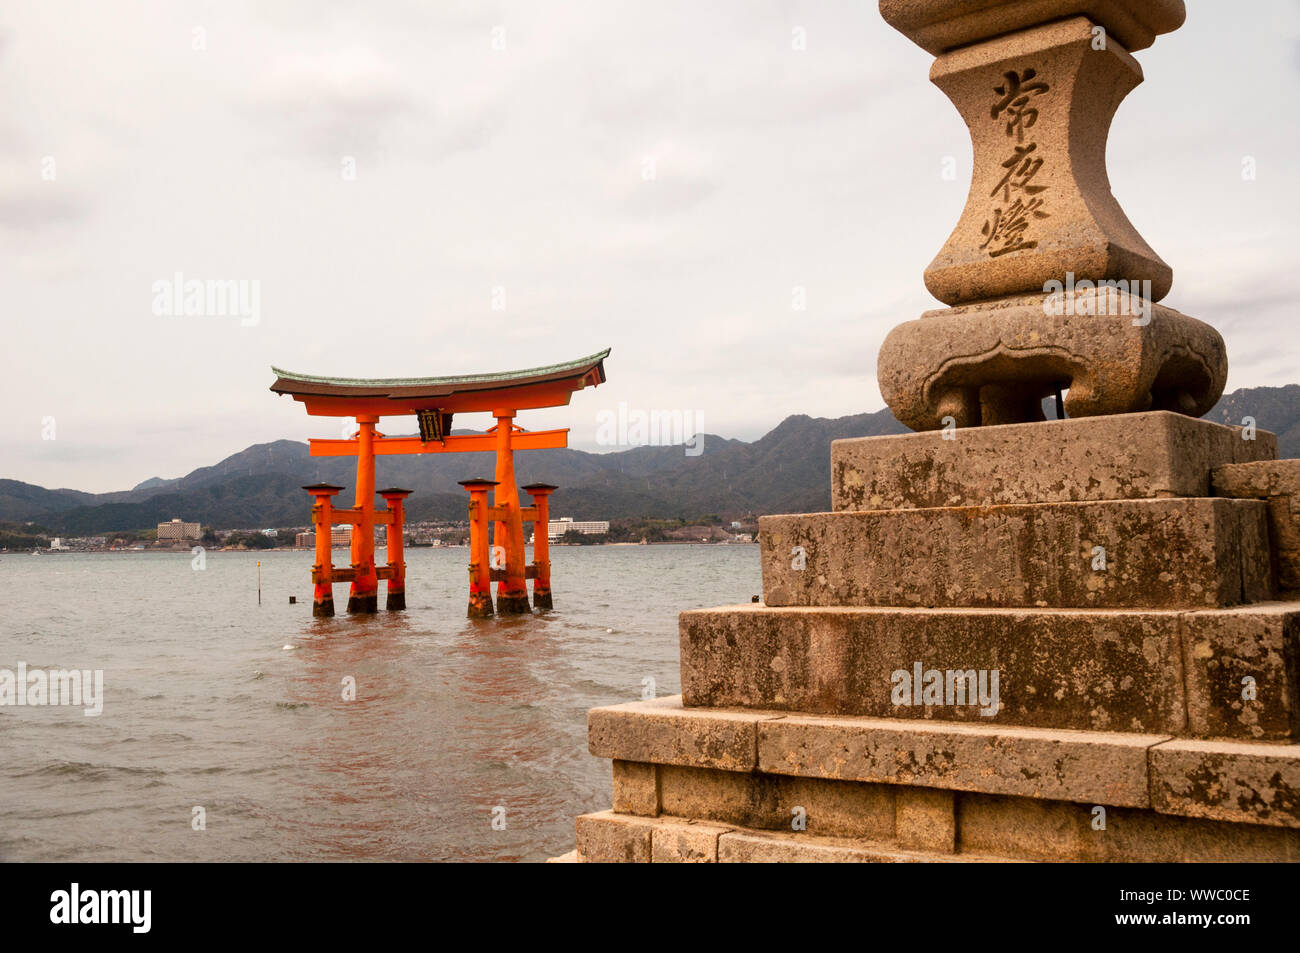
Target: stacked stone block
{"x": 1146, "y": 705}
{"x": 1011, "y": 639}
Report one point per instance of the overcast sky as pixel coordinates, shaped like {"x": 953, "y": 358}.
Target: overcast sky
{"x": 655, "y": 177}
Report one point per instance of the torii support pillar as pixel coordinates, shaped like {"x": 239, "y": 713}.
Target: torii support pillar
{"x": 364, "y": 596}
{"x": 540, "y": 492}
{"x": 480, "y": 568}
{"x": 512, "y": 591}
{"x": 396, "y": 568}
{"x": 322, "y": 603}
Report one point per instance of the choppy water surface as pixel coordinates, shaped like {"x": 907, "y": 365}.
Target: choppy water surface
{"x": 213, "y": 701}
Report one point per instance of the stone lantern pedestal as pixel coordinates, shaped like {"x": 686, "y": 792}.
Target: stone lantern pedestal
{"x": 1010, "y": 639}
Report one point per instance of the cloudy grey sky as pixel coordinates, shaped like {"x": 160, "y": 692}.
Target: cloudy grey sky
{"x": 127, "y": 155}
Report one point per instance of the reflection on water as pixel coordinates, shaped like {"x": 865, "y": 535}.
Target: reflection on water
{"x": 215, "y": 702}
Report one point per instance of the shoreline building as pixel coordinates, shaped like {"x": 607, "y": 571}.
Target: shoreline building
{"x": 339, "y": 536}
{"x": 179, "y": 530}
{"x": 566, "y": 524}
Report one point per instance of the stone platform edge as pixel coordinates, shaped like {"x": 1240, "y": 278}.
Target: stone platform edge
{"x": 1152, "y": 455}
{"x": 610, "y": 837}
{"x": 1243, "y": 782}
{"x": 1162, "y": 671}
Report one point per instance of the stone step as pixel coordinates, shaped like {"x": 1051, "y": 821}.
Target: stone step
{"x": 956, "y": 827}
{"x": 608, "y": 837}
{"x": 1165, "y": 553}
{"x": 1229, "y": 781}
{"x": 1213, "y": 673}
{"x": 1278, "y": 483}
{"x": 908, "y": 824}
{"x": 800, "y": 759}
{"x": 1128, "y": 456}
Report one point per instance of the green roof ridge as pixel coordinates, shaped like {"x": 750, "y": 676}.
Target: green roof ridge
{"x": 455, "y": 379}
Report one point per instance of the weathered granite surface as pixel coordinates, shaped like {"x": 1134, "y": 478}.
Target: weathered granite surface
{"x": 940, "y": 25}
{"x": 988, "y": 363}
{"x": 1191, "y": 777}
{"x": 1168, "y": 553}
{"x": 1096, "y": 767}
{"x": 1171, "y": 671}
{"x": 1100, "y": 767}
{"x": 1241, "y": 670}
{"x": 925, "y": 819}
{"x": 1064, "y": 668}
{"x": 1227, "y": 781}
{"x": 1038, "y": 105}
{"x": 988, "y": 829}
{"x": 769, "y": 801}
{"x": 607, "y": 837}
{"x": 1063, "y": 831}
{"x": 659, "y": 731}
{"x": 1278, "y": 483}
{"x": 1123, "y": 457}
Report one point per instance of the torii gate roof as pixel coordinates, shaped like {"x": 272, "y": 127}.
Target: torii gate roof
{"x": 548, "y": 386}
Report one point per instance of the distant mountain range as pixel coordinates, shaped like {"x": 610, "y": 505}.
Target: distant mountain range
{"x": 785, "y": 471}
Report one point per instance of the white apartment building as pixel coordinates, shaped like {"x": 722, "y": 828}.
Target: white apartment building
{"x": 178, "y": 529}
{"x": 566, "y": 524}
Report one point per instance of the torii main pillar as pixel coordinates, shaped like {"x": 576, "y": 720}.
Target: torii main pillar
{"x": 364, "y": 595}
{"x": 512, "y": 591}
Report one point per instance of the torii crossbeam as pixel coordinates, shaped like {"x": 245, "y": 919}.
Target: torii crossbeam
{"x": 433, "y": 401}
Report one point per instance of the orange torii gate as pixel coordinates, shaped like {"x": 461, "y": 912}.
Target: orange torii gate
{"x": 433, "y": 401}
